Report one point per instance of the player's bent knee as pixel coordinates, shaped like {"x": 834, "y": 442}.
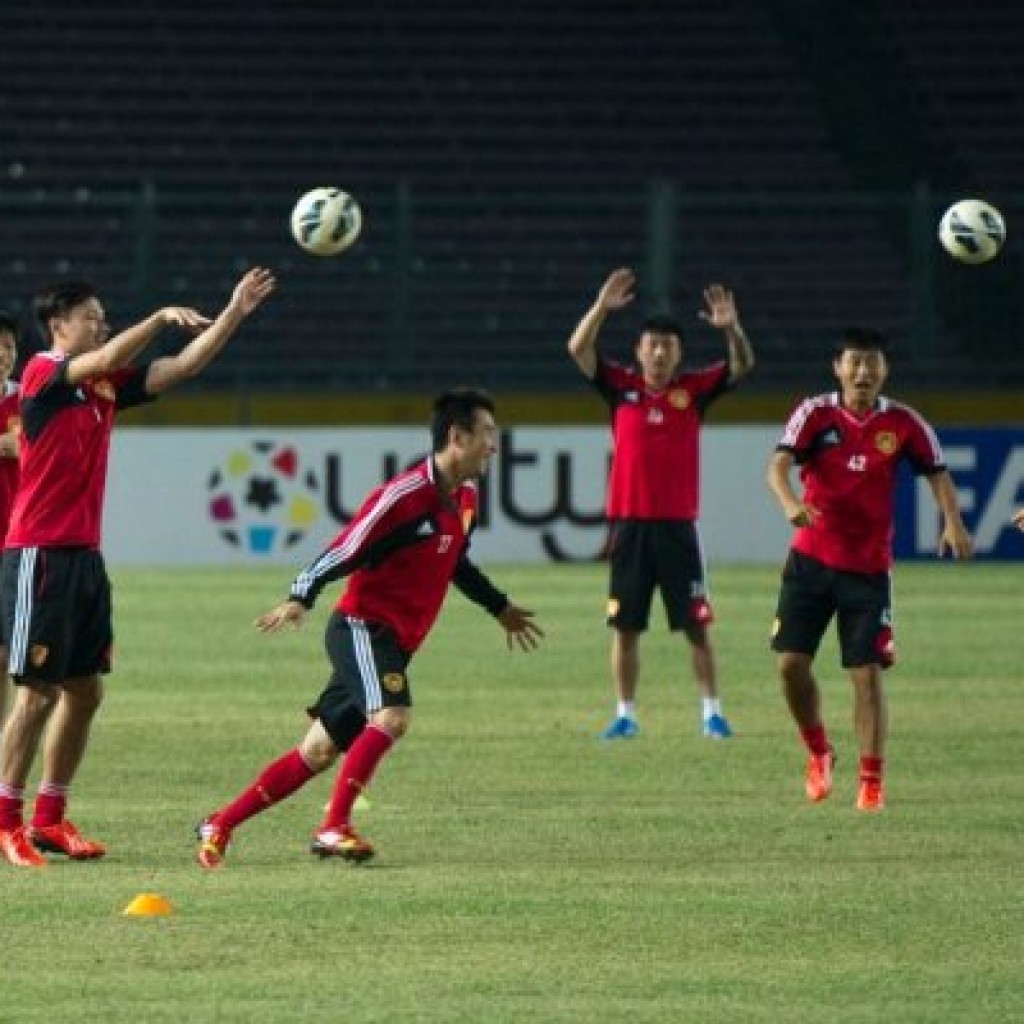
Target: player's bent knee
{"x": 318, "y": 749}
{"x": 394, "y": 721}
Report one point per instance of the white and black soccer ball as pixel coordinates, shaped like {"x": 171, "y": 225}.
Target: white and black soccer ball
{"x": 972, "y": 231}
{"x": 326, "y": 221}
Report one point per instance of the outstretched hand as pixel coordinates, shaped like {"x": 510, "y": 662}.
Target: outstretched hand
{"x": 618, "y": 290}
{"x": 1018, "y": 519}
{"x": 519, "y": 628}
{"x": 721, "y": 311}
{"x": 288, "y": 615}
{"x": 182, "y": 316}
{"x": 252, "y": 289}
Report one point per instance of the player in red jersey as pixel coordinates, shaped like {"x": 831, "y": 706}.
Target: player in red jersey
{"x": 654, "y": 490}
{"x": 53, "y": 586}
{"x": 407, "y": 542}
{"x": 848, "y": 445}
{"x": 8, "y": 450}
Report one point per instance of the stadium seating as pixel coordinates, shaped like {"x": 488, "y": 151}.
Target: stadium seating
{"x": 505, "y": 156}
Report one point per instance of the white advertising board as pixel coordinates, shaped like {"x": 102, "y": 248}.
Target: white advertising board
{"x": 278, "y": 496}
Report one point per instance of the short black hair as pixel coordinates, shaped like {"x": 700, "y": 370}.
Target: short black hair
{"x": 57, "y": 300}
{"x": 862, "y": 339}
{"x": 457, "y": 408}
{"x": 661, "y": 323}
{"x": 8, "y": 324}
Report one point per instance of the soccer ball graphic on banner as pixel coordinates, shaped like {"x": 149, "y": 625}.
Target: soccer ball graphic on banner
{"x": 972, "y": 231}
{"x": 326, "y": 221}
{"x": 262, "y": 500}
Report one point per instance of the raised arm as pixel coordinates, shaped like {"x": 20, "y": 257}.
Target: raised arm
{"x": 119, "y": 351}
{"x": 954, "y": 536}
{"x": 615, "y": 293}
{"x": 250, "y": 291}
{"x": 722, "y": 313}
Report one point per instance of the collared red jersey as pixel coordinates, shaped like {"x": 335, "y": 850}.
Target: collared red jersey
{"x": 65, "y": 444}
{"x": 8, "y": 466}
{"x": 406, "y": 543}
{"x": 848, "y": 466}
{"x": 655, "y": 470}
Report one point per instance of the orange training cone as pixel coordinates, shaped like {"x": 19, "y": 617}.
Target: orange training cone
{"x": 148, "y": 904}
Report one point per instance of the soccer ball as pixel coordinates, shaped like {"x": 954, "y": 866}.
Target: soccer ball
{"x": 326, "y": 221}
{"x": 972, "y": 231}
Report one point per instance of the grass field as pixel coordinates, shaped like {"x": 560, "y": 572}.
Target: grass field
{"x": 526, "y": 871}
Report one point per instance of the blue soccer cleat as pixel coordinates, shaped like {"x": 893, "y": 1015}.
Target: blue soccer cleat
{"x": 622, "y": 728}
{"x": 717, "y": 728}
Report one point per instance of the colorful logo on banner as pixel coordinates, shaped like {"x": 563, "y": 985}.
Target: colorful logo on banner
{"x": 262, "y": 499}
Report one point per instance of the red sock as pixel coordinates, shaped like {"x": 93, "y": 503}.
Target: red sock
{"x": 12, "y": 804}
{"x": 51, "y": 801}
{"x": 278, "y": 780}
{"x": 356, "y": 771}
{"x": 871, "y": 768}
{"x": 815, "y": 738}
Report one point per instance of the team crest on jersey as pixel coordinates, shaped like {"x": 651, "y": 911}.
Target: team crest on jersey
{"x": 886, "y": 441}
{"x": 678, "y": 398}
{"x": 393, "y": 682}
{"x": 104, "y": 389}
{"x": 37, "y": 654}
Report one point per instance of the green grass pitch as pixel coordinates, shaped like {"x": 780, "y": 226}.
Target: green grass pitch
{"x": 525, "y": 870}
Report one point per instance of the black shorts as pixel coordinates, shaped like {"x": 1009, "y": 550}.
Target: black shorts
{"x": 56, "y": 611}
{"x": 861, "y": 602}
{"x": 369, "y": 674}
{"x": 661, "y": 553}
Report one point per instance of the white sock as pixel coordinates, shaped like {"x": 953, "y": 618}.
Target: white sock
{"x": 712, "y": 706}
{"x": 626, "y": 709}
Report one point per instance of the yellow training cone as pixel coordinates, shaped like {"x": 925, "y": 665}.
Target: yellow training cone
{"x": 148, "y": 904}
{"x": 362, "y": 804}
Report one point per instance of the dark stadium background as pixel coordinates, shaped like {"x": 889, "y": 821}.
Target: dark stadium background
{"x": 507, "y": 156}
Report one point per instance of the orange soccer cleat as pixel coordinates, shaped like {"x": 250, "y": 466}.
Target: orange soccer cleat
{"x": 871, "y": 795}
{"x": 818, "y": 779}
{"x": 65, "y": 838}
{"x": 342, "y": 842}
{"x": 17, "y": 849}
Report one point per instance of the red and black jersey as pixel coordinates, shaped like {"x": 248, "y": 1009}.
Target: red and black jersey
{"x": 8, "y": 466}
{"x": 656, "y": 440}
{"x": 65, "y": 443}
{"x": 406, "y": 543}
{"x": 848, "y": 465}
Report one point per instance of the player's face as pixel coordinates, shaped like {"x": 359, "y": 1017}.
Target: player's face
{"x": 861, "y": 374}
{"x": 479, "y": 444}
{"x": 8, "y": 354}
{"x": 82, "y": 329}
{"x": 659, "y": 353}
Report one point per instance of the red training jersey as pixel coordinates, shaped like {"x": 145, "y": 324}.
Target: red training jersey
{"x": 848, "y": 466}
{"x": 406, "y": 543}
{"x": 8, "y": 466}
{"x": 65, "y": 443}
{"x": 656, "y": 440}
